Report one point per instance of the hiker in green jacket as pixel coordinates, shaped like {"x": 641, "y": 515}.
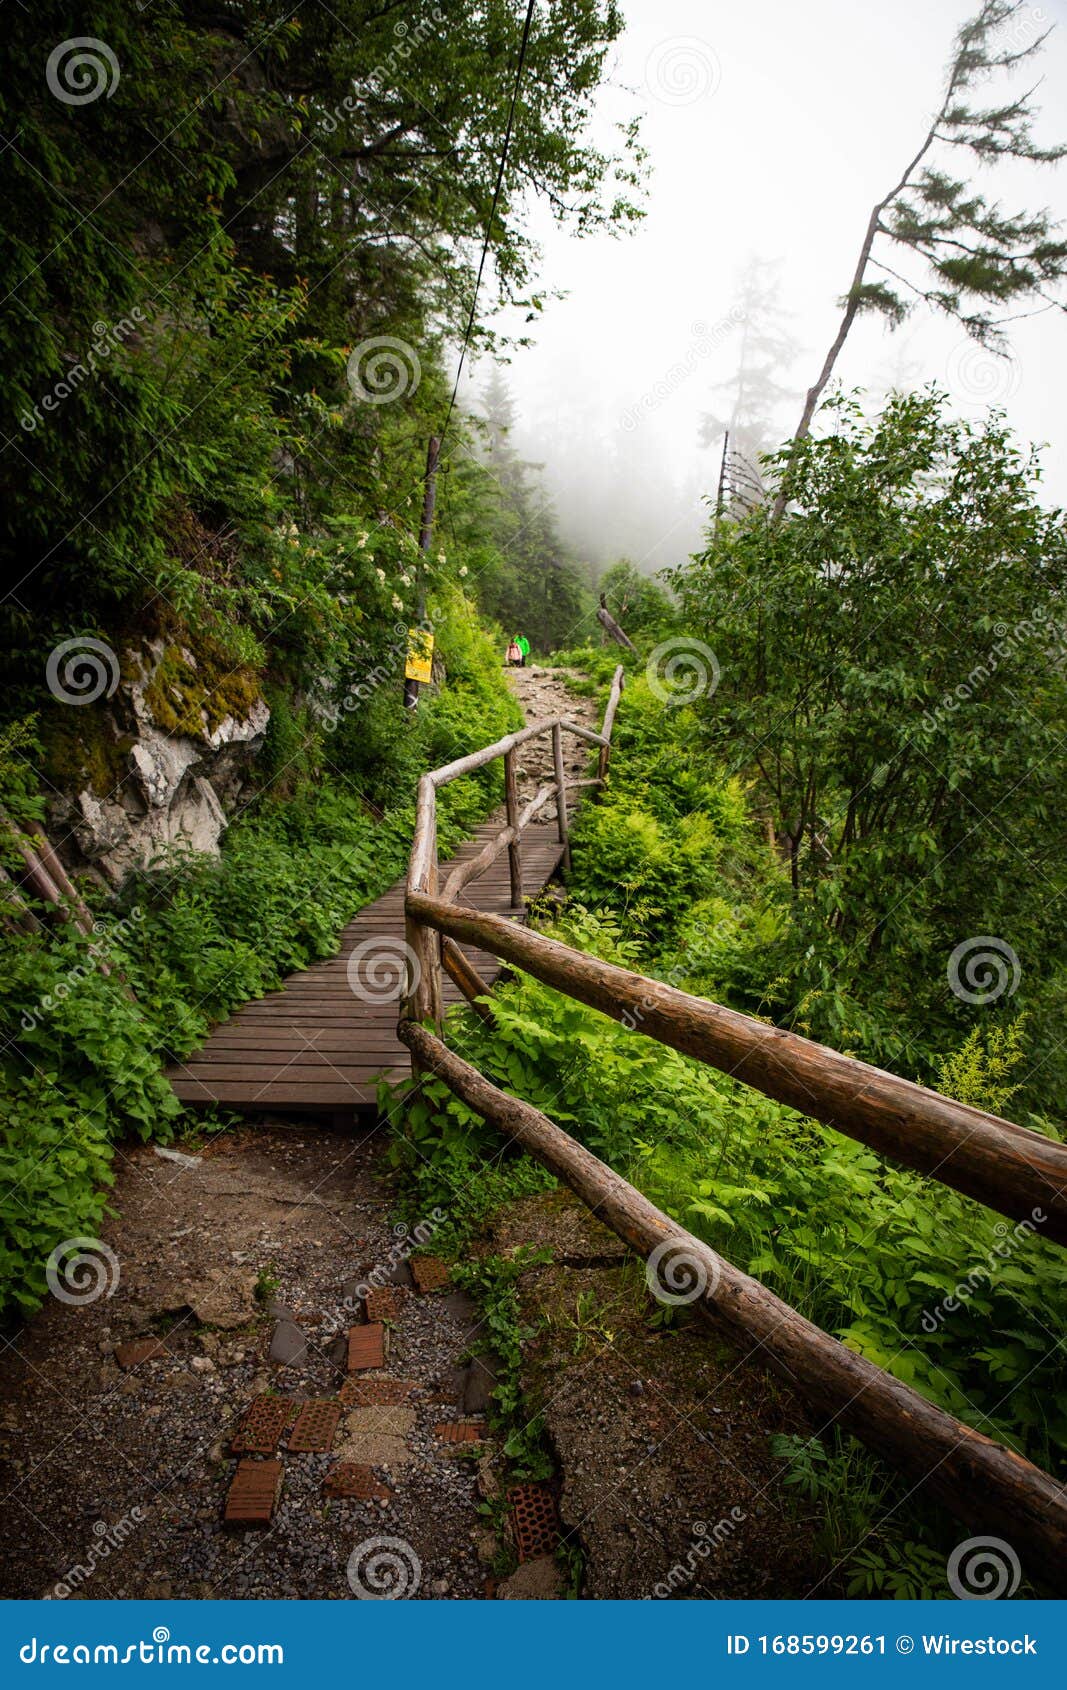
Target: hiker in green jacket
{"x": 524, "y": 649}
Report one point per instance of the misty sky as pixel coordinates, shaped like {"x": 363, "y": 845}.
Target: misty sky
{"x": 772, "y": 130}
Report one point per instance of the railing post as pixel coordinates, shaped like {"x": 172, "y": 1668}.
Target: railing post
{"x": 424, "y": 945}
{"x": 561, "y": 794}
{"x": 511, "y": 801}
{"x": 609, "y": 722}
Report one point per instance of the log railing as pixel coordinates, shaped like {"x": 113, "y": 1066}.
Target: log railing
{"x": 1012, "y": 1169}
{"x": 427, "y": 954}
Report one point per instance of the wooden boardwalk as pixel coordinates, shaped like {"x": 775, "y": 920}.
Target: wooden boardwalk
{"x": 322, "y": 1042}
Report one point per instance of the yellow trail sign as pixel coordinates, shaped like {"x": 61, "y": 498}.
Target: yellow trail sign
{"x": 419, "y": 665}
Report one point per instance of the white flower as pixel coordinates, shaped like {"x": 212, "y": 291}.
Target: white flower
{"x": 405, "y": 580}
{"x": 440, "y": 557}
{"x": 362, "y": 541}
{"x": 463, "y": 569}
{"x": 398, "y": 603}
{"x": 381, "y": 575}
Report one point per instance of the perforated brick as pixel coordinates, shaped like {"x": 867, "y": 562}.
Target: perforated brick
{"x": 431, "y": 1274}
{"x": 382, "y": 1302}
{"x": 351, "y": 1481}
{"x": 255, "y": 1490}
{"x": 366, "y": 1393}
{"x": 533, "y": 1520}
{"x": 265, "y": 1420}
{"x": 366, "y": 1347}
{"x": 460, "y": 1431}
{"x": 315, "y": 1426}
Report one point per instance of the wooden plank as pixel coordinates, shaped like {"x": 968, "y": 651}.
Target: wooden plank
{"x": 316, "y": 1043}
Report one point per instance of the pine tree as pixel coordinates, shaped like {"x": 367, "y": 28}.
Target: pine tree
{"x": 982, "y": 265}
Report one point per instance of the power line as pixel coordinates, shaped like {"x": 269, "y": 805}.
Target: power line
{"x": 492, "y": 211}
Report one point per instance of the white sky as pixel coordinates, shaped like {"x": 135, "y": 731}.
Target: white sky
{"x": 783, "y": 125}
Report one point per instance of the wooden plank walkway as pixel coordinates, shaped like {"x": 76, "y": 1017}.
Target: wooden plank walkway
{"x": 322, "y": 1042}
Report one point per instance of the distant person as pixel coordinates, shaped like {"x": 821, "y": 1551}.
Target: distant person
{"x": 513, "y": 655}
{"x": 524, "y": 649}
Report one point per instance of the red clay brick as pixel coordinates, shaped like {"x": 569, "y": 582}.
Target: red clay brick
{"x": 367, "y": 1393}
{"x": 315, "y": 1426}
{"x": 265, "y": 1420}
{"x": 255, "y": 1490}
{"x": 534, "y": 1520}
{"x": 460, "y": 1431}
{"x": 366, "y": 1347}
{"x": 382, "y": 1303}
{"x": 351, "y": 1481}
{"x": 431, "y": 1274}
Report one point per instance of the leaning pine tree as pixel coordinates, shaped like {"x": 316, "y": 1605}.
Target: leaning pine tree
{"x": 980, "y": 265}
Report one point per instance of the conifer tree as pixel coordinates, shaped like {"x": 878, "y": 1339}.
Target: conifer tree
{"x": 979, "y": 264}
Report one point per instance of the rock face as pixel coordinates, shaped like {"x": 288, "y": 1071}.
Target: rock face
{"x": 178, "y": 744}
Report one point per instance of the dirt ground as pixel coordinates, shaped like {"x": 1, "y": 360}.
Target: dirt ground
{"x": 126, "y": 1472}
{"x": 662, "y": 1433}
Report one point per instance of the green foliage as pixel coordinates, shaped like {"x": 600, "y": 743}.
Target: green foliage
{"x": 891, "y": 668}
{"x": 494, "y": 1282}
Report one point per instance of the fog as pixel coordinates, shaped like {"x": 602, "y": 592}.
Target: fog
{"x": 771, "y": 130}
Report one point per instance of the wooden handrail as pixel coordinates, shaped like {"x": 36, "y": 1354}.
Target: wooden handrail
{"x": 1012, "y": 1169}
{"x": 424, "y": 994}
{"x": 984, "y": 1484}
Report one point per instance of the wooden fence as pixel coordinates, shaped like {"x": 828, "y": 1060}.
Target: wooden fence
{"x": 1020, "y": 1173}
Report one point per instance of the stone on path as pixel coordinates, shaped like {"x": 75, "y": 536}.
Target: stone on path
{"x": 376, "y": 1436}
{"x": 288, "y": 1344}
{"x": 139, "y": 1350}
{"x": 539, "y": 1580}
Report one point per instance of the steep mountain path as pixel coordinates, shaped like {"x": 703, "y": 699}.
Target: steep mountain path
{"x": 231, "y": 1278}
{"x": 217, "y": 1408}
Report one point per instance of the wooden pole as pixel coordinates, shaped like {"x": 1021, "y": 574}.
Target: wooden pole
{"x": 466, "y": 977}
{"x": 429, "y": 500}
{"x": 1009, "y": 1168}
{"x": 987, "y": 1486}
{"x": 614, "y": 696}
{"x": 424, "y": 1000}
{"x": 611, "y": 627}
{"x": 562, "y": 825}
{"x": 511, "y": 801}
